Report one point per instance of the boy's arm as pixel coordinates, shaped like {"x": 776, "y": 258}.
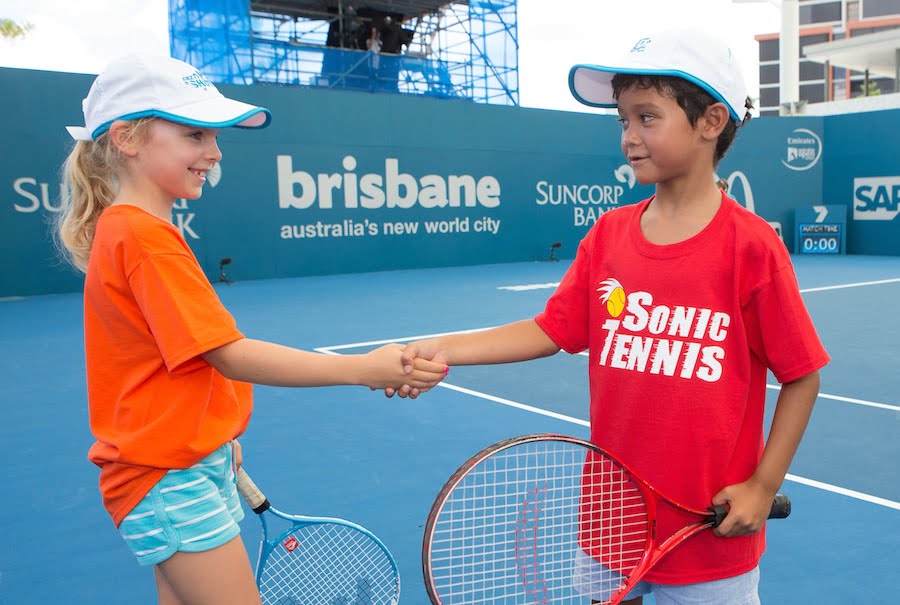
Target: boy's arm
{"x": 750, "y": 501}
{"x": 518, "y": 341}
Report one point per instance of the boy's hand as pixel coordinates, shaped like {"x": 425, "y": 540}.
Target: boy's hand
{"x": 749, "y": 504}
{"x": 386, "y": 369}
{"x": 421, "y": 349}
{"x": 416, "y": 353}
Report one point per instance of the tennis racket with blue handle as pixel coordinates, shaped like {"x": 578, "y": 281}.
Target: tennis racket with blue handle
{"x": 319, "y": 560}
{"x": 549, "y": 519}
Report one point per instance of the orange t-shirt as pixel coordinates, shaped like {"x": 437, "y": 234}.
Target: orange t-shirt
{"x": 149, "y": 313}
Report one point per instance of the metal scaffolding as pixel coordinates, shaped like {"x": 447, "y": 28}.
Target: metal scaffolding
{"x": 464, "y": 49}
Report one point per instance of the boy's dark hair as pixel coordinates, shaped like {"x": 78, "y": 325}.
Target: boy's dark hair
{"x": 690, "y": 97}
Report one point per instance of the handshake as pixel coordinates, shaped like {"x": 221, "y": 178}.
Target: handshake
{"x": 410, "y": 370}
{"x": 406, "y": 371}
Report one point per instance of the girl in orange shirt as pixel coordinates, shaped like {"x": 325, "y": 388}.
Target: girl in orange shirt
{"x": 168, "y": 372}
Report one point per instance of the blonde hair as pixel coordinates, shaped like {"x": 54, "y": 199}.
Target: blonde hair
{"x": 90, "y": 184}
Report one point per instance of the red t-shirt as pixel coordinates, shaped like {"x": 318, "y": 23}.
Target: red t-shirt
{"x": 149, "y": 313}
{"x": 680, "y": 339}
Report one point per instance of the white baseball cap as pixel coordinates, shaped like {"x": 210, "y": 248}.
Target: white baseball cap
{"x": 692, "y": 55}
{"x": 139, "y": 86}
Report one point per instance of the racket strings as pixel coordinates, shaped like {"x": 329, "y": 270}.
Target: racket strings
{"x": 327, "y": 564}
{"x": 545, "y": 521}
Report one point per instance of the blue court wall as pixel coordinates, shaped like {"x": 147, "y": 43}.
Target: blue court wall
{"x": 351, "y": 182}
{"x": 862, "y": 171}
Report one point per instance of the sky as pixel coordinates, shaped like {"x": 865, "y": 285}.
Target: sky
{"x": 85, "y": 35}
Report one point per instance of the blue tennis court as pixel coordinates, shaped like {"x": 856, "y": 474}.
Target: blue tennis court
{"x": 351, "y": 453}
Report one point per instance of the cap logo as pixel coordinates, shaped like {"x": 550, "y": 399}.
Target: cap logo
{"x": 197, "y": 80}
{"x": 640, "y": 45}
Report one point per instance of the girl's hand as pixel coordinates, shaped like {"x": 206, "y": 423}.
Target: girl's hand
{"x": 238, "y": 454}
{"x": 749, "y": 504}
{"x": 385, "y": 369}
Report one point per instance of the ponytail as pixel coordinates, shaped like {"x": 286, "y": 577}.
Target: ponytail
{"x": 90, "y": 185}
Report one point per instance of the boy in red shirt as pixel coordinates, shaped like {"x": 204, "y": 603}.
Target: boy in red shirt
{"x": 684, "y": 301}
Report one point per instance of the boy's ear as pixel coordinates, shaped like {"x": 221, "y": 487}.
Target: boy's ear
{"x": 121, "y": 137}
{"x": 715, "y": 118}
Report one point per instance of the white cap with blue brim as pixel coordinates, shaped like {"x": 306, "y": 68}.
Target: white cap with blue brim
{"x": 692, "y": 55}
{"x": 139, "y": 86}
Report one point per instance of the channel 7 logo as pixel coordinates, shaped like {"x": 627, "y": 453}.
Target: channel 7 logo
{"x": 876, "y": 198}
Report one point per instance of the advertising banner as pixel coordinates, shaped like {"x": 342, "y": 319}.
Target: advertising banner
{"x": 345, "y": 182}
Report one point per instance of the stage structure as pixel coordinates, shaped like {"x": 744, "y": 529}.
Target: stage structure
{"x": 465, "y": 49}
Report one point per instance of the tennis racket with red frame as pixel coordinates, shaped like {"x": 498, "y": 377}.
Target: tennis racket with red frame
{"x": 548, "y": 519}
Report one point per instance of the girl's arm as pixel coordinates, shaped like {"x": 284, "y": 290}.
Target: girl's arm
{"x": 751, "y": 500}
{"x": 267, "y": 363}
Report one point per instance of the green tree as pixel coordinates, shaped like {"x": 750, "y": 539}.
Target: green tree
{"x": 11, "y": 30}
{"x": 873, "y": 89}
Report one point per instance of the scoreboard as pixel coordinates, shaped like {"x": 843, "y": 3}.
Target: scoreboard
{"x": 821, "y": 230}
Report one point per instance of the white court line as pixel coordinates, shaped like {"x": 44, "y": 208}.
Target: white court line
{"x": 570, "y": 419}
{"x": 553, "y": 285}
{"x": 871, "y": 404}
{"x": 530, "y": 287}
{"x": 843, "y": 491}
{"x": 516, "y": 404}
{"x": 390, "y": 340}
{"x": 856, "y": 285}
{"x": 794, "y": 478}
{"x": 524, "y": 287}
{"x": 535, "y": 410}
{"x": 331, "y": 350}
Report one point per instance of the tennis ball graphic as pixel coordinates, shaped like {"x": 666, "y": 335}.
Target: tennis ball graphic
{"x": 616, "y": 303}
{"x": 613, "y": 294}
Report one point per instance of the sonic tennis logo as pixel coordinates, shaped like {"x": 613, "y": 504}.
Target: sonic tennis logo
{"x": 658, "y": 339}
{"x": 804, "y": 148}
{"x": 390, "y": 189}
{"x": 876, "y": 198}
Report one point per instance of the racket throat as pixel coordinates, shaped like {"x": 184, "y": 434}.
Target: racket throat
{"x": 669, "y": 544}
{"x": 261, "y": 553}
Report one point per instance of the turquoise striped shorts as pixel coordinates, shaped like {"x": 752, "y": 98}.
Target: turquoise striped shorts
{"x": 191, "y": 510}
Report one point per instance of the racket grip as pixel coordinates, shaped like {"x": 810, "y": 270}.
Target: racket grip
{"x": 252, "y": 495}
{"x": 781, "y": 509}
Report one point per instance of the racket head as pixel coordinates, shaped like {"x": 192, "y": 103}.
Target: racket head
{"x": 508, "y": 525}
{"x": 319, "y": 560}
{"x": 328, "y": 561}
